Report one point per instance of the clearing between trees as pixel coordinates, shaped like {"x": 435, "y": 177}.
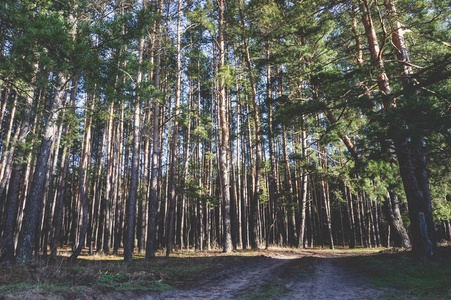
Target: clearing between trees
{"x": 284, "y": 274}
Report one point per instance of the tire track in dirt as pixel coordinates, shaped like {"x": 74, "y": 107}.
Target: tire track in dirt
{"x": 329, "y": 280}
{"x": 228, "y": 284}
{"x": 322, "y": 277}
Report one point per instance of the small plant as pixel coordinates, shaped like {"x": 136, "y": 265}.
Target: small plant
{"x": 123, "y": 282}
{"x": 110, "y": 279}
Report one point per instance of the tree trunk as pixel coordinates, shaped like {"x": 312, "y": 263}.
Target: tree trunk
{"x": 415, "y": 182}
{"x": 173, "y": 193}
{"x": 49, "y": 197}
{"x": 130, "y": 214}
{"x": 5, "y": 156}
{"x": 224, "y": 139}
{"x": 154, "y": 174}
{"x": 14, "y": 184}
{"x": 5, "y": 90}
{"x": 61, "y": 181}
{"x": 34, "y": 199}
{"x": 304, "y": 186}
{"x": 391, "y": 206}
{"x": 325, "y": 189}
{"x": 351, "y": 219}
{"x": 256, "y": 192}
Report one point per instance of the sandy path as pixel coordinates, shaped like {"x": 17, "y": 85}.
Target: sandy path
{"x": 331, "y": 281}
{"x": 228, "y": 284}
{"x": 325, "y": 279}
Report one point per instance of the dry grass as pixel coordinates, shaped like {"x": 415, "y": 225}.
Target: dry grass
{"x": 101, "y": 273}
{"x": 108, "y": 272}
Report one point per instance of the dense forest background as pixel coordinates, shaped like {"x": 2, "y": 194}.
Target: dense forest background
{"x": 233, "y": 124}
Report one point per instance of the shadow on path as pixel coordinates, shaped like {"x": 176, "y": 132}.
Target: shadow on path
{"x": 284, "y": 275}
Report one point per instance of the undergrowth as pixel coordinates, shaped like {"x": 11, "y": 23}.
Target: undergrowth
{"x": 410, "y": 276}
{"x": 106, "y": 274}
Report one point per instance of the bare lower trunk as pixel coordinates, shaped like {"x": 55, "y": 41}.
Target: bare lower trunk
{"x": 304, "y": 186}
{"x": 391, "y": 206}
{"x": 351, "y": 219}
{"x": 154, "y": 172}
{"x": 34, "y": 199}
{"x": 61, "y": 180}
{"x": 14, "y": 183}
{"x": 173, "y": 192}
{"x": 224, "y": 140}
{"x": 84, "y": 226}
{"x": 256, "y": 192}
{"x": 130, "y": 214}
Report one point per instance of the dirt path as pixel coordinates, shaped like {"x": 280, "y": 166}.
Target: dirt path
{"x": 228, "y": 283}
{"x": 290, "y": 275}
{"x": 329, "y": 280}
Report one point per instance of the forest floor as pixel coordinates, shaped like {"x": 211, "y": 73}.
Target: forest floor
{"x": 273, "y": 273}
{"x": 283, "y": 274}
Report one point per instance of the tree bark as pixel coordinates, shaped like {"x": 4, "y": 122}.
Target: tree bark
{"x": 154, "y": 175}
{"x": 304, "y": 186}
{"x": 391, "y": 205}
{"x": 14, "y": 184}
{"x": 256, "y": 191}
{"x": 224, "y": 138}
{"x": 5, "y": 156}
{"x": 61, "y": 181}
{"x": 173, "y": 192}
{"x": 34, "y": 199}
{"x": 415, "y": 182}
{"x": 351, "y": 219}
{"x": 130, "y": 214}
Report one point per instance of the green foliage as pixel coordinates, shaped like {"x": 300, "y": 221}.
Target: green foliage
{"x": 410, "y": 276}
{"x": 19, "y": 288}
{"x": 192, "y": 189}
{"x": 110, "y": 279}
{"x": 270, "y": 291}
{"x": 203, "y": 16}
{"x": 442, "y": 210}
{"x": 263, "y": 193}
{"x": 227, "y": 73}
{"x": 318, "y": 86}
